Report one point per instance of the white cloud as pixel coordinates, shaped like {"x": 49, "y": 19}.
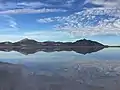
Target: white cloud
{"x": 39, "y": 4}
{"x": 105, "y": 3}
{"x": 13, "y": 5}
{"x": 8, "y": 23}
{"x": 20, "y": 11}
{"x": 12, "y": 22}
{"x": 28, "y": 7}
{"x": 45, "y": 20}
{"x": 34, "y": 4}
{"x": 49, "y": 20}
{"x": 89, "y": 22}
{"x": 31, "y": 4}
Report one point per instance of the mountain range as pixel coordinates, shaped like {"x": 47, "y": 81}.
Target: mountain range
{"x": 29, "y": 42}
{"x": 29, "y": 46}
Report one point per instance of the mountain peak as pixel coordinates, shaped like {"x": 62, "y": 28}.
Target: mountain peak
{"x": 85, "y": 42}
{"x": 25, "y": 39}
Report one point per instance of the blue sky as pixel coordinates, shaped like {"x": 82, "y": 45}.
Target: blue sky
{"x": 60, "y": 20}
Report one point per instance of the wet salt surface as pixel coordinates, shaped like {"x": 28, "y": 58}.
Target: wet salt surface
{"x": 85, "y": 76}
{"x": 60, "y": 71}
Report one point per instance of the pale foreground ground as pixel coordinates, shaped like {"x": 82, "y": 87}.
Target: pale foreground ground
{"x": 77, "y": 75}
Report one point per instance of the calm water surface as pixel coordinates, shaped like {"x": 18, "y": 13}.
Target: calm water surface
{"x": 60, "y": 70}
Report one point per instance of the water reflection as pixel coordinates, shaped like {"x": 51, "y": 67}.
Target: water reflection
{"x": 81, "y": 50}
{"x": 80, "y": 75}
{"x": 65, "y": 70}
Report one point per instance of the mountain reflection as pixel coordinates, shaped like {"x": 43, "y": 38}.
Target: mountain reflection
{"x": 80, "y": 50}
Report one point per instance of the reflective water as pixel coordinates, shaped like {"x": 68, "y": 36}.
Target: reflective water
{"x": 63, "y": 70}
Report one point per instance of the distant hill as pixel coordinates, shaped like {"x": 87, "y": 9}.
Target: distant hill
{"x": 29, "y": 46}
{"x": 85, "y": 42}
{"x": 30, "y": 42}
{"x": 25, "y": 42}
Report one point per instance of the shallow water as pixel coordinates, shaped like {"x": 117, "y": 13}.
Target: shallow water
{"x": 65, "y": 70}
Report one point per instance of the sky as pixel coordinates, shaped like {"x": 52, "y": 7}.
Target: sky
{"x": 60, "y": 20}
